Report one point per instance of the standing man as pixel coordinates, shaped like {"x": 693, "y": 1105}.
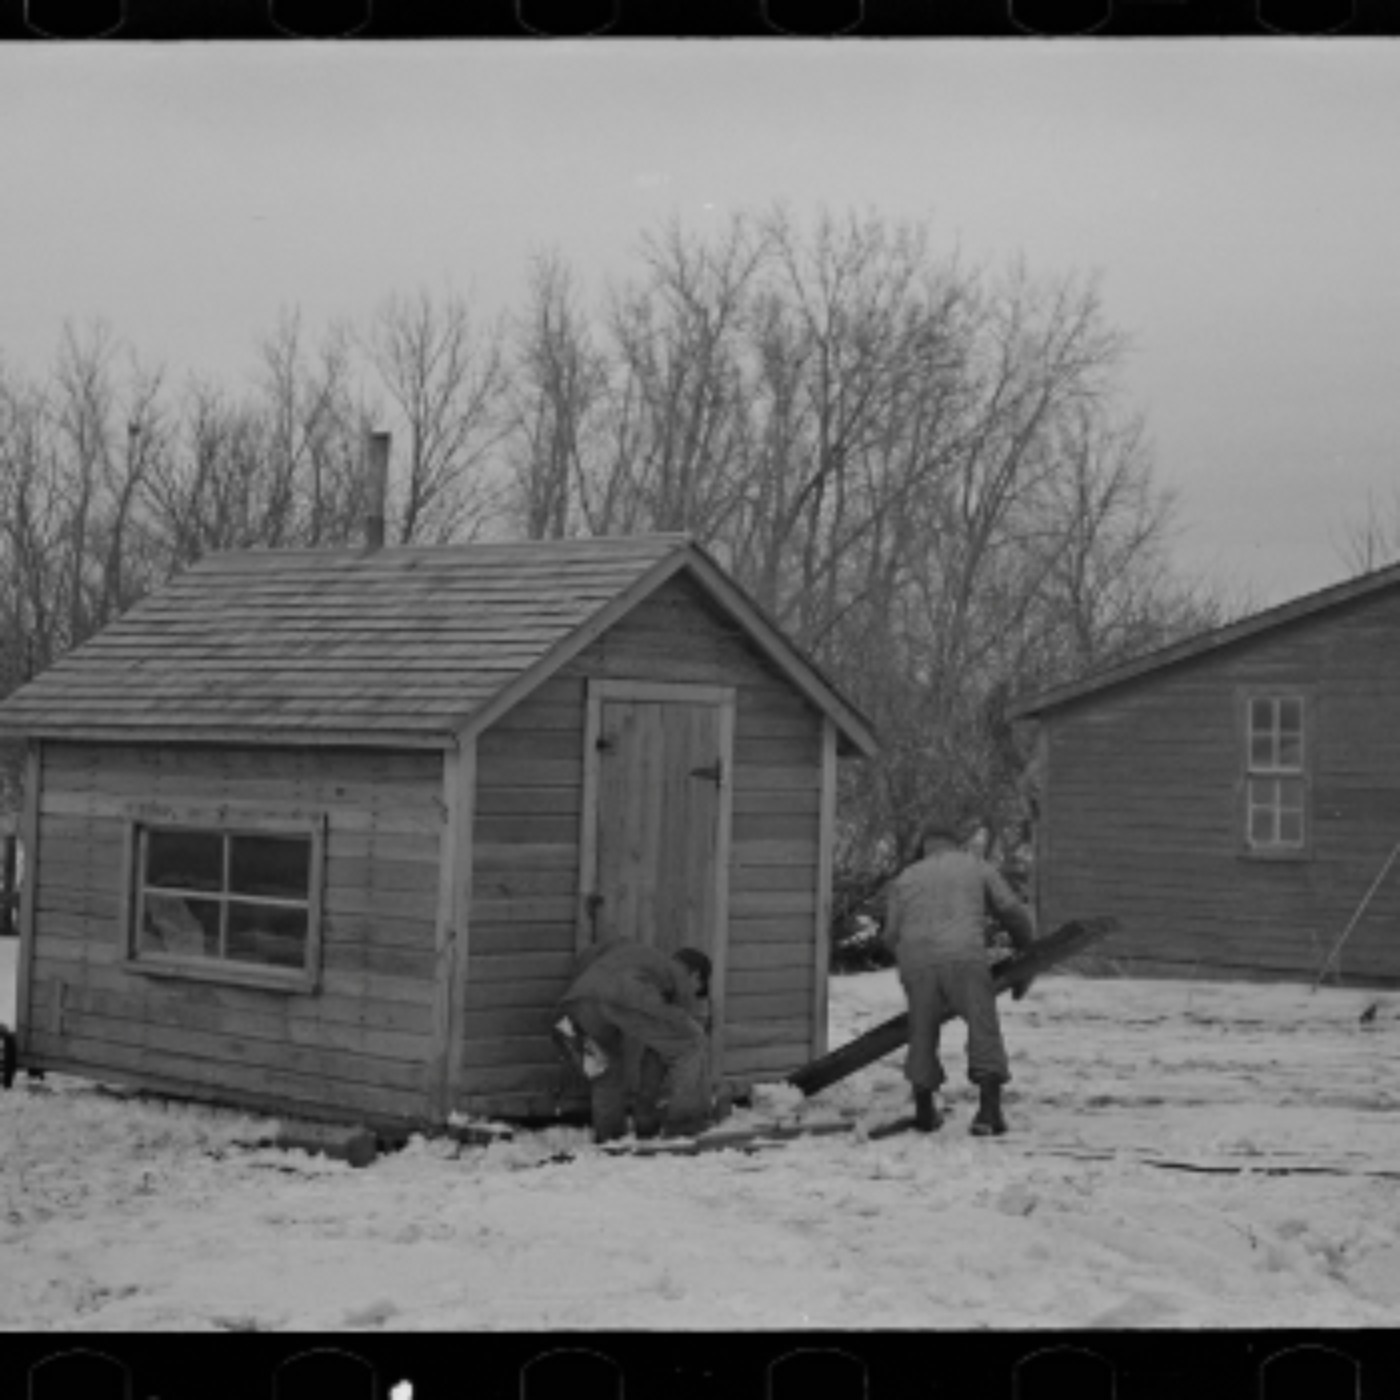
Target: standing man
{"x": 934, "y": 926}
{"x": 638, "y": 1006}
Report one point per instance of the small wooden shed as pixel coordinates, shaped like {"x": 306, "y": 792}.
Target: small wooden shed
{"x": 321, "y": 832}
{"x": 1235, "y": 798}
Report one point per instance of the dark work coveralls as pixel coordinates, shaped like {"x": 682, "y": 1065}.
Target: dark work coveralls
{"x": 934, "y": 927}
{"x": 635, "y": 1003}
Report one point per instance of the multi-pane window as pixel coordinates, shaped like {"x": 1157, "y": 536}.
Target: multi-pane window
{"x": 230, "y": 899}
{"x": 1275, "y": 781}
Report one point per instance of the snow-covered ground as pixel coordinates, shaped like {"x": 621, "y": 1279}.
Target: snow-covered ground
{"x": 1181, "y": 1155}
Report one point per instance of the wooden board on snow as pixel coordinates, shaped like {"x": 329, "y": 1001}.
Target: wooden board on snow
{"x": 1068, "y": 941}
{"x": 729, "y": 1139}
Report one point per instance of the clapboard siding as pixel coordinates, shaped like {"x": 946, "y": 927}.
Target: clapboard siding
{"x": 220, "y": 1081}
{"x": 366, "y": 1028}
{"x": 528, "y": 816}
{"x": 1143, "y": 820}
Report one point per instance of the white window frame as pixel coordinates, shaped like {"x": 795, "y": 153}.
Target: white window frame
{"x": 224, "y": 821}
{"x": 1264, "y": 780}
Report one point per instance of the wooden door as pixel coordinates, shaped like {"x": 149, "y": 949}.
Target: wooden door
{"x": 656, "y": 818}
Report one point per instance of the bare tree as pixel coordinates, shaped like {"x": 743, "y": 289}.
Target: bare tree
{"x": 445, "y": 377}
{"x": 924, "y": 471}
{"x": 310, "y": 479}
{"x": 1373, "y": 540}
{"x": 559, "y": 381}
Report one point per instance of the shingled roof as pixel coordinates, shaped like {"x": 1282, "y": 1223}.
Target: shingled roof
{"x": 1215, "y": 639}
{"x": 409, "y": 646}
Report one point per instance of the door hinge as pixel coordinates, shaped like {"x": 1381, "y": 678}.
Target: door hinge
{"x": 715, "y": 772}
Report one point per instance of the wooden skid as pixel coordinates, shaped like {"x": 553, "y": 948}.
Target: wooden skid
{"x": 1069, "y": 940}
{"x": 719, "y": 1140}
{"x": 726, "y": 1140}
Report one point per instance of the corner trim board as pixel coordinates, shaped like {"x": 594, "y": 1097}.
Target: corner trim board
{"x": 28, "y": 903}
{"x": 826, "y": 861}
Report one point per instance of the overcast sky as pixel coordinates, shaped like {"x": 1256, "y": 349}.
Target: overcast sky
{"x": 1240, "y": 200}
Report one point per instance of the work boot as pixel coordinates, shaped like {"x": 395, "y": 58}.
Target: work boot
{"x": 927, "y": 1118}
{"x": 989, "y": 1122}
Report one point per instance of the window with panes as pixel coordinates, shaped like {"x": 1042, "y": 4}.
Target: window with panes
{"x": 240, "y": 902}
{"x": 1276, "y": 788}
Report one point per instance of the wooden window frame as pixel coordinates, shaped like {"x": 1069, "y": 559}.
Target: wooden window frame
{"x": 224, "y": 821}
{"x": 1250, "y": 773}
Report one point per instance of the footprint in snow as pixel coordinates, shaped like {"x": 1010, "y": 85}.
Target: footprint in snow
{"x": 375, "y": 1315}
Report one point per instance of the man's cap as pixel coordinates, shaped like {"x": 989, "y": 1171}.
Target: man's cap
{"x": 698, "y": 962}
{"x": 941, "y": 829}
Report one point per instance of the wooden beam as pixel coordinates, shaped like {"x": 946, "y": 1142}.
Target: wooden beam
{"x": 662, "y": 692}
{"x": 261, "y": 736}
{"x": 451, "y": 940}
{"x": 588, "y": 819}
{"x": 719, "y": 954}
{"x": 28, "y": 903}
{"x": 826, "y": 857}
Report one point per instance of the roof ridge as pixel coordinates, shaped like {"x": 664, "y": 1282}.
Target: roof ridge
{"x": 672, "y": 538}
{"x": 1225, "y": 634}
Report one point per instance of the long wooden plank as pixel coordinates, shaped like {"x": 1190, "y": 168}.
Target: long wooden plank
{"x": 720, "y": 949}
{"x": 526, "y": 772}
{"x": 754, "y": 981}
{"x": 515, "y": 858}
{"x": 29, "y": 840}
{"x": 497, "y": 1052}
{"x": 94, "y": 759}
{"x": 793, "y": 1033}
{"x": 826, "y": 851}
{"x": 565, "y": 799}
{"x": 524, "y": 883}
{"x": 505, "y": 746}
{"x": 524, "y": 967}
{"x": 784, "y": 822}
{"x": 407, "y": 825}
{"x": 768, "y": 777}
{"x": 350, "y": 875}
{"x": 769, "y": 903}
{"x": 773, "y": 956}
{"x": 493, "y": 939}
{"x": 775, "y": 751}
{"x": 177, "y": 1044}
{"x": 780, "y": 854}
{"x": 764, "y": 1061}
{"x": 368, "y": 903}
{"x": 81, "y": 924}
{"x": 758, "y": 879}
{"x": 790, "y": 804}
{"x": 535, "y": 829}
{"x": 152, "y": 1006}
{"x": 769, "y": 1006}
{"x": 371, "y": 958}
{"x": 463, "y": 899}
{"x": 252, "y": 1087}
{"x": 543, "y": 1080}
{"x": 509, "y": 1022}
{"x": 101, "y": 951}
{"x": 1067, "y": 941}
{"x": 329, "y": 1007}
{"x": 543, "y": 909}
{"x": 503, "y": 995}
{"x": 791, "y": 928}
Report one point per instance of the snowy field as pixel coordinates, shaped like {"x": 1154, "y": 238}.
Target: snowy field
{"x": 1182, "y": 1155}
